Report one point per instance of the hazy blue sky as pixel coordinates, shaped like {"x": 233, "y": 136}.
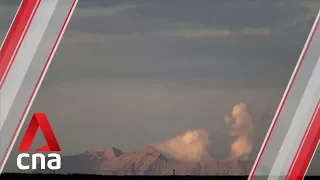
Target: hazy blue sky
{"x": 133, "y": 72}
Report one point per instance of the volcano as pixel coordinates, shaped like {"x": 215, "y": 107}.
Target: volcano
{"x": 146, "y": 161}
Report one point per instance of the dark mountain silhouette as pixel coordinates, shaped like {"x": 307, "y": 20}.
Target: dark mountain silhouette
{"x": 143, "y": 162}
{"x": 92, "y": 177}
{"x": 146, "y": 161}
{"x": 88, "y": 162}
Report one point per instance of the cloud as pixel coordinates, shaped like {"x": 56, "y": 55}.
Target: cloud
{"x": 312, "y": 5}
{"x": 197, "y": 144}
{"x": 104, "y": 11}
{"x": 257, "y": 17}
{"x": 80, "y": 37}
{"x": 241, "y": 125}
{"x": 190, "y": 146}
{"x": 216, "y": 33}
{"x": 76, "y": 37}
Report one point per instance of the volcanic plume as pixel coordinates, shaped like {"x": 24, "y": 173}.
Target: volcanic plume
{"x": 189, "y": 147}
{"x": 193, "y": 145}
{"x": 241, "y": 130}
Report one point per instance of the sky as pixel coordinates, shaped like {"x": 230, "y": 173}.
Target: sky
{"x": 133, "y": 72}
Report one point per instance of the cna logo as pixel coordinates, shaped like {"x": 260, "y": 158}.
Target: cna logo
{"x": 50, "y": 161}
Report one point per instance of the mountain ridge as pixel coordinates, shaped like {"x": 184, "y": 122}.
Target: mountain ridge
{"x": 146, "y": 161}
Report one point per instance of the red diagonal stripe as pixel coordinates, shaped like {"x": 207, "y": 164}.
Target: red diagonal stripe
{"x": 16, "y": 35}
{"x": 306, "y": 149}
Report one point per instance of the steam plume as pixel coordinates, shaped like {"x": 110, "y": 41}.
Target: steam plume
{"x": 190, "y": 146}
{"x": 241, "y": 129}
{"x": 193, "y": 145}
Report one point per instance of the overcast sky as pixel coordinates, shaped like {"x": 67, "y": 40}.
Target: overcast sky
{"x": 133, "y": 72}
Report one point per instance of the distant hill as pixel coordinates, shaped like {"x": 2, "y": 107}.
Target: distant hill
{"x": 146, "y": 161}
{"x": 93, "y": 177}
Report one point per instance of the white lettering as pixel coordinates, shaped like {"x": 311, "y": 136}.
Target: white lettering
{"x": 53, "y": 163}
{"x": 19, "y": 161}
{"x": 42, "y": 161}
{"x": 56, "y": 161}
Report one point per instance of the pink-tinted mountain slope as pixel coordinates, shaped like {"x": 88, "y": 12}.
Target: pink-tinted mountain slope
{"x": 147, "y": 161}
